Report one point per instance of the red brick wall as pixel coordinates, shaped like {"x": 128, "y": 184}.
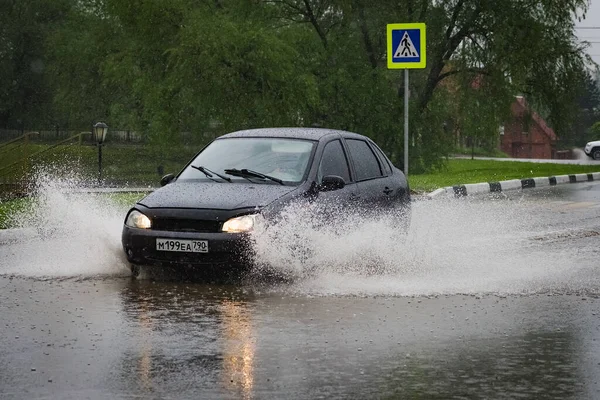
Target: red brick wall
{"x": 534, "y": 144}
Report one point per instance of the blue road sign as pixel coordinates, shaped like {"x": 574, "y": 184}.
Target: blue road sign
{"x": 406, "y": 45}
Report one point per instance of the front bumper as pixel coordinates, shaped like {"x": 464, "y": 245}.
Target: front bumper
{"x": 223, "y": 248}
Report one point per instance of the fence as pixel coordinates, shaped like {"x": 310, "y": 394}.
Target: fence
{"x": 118, "y": 136}
{"x": 57, "y": 135}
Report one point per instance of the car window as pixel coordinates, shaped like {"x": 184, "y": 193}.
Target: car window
{"x": 384, "y": 161}
{"x": 334, "y": 162}
{"x": 285, "y": 159}
{"x": 365, "y": 162}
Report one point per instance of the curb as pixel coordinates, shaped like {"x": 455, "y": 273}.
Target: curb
{"x": 513, "y": 184}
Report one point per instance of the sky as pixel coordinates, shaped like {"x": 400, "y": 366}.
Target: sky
{"x": 592, "y": 20}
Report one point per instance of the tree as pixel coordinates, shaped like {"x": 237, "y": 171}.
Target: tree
{"x": 587, "y": 114}
{"x": 521, "y": 47}
{"x": 206, "y": 66}
{"x": 25, "y": 94}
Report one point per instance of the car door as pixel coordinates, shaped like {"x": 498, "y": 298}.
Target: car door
{"x": 334, "y": 161}
{"x": 395, "y": 182}
{"x": 373, "y": 185}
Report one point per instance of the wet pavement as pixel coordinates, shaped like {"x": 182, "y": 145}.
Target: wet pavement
{"x": 494, "y": 297}
{"x": 117, "y": 338}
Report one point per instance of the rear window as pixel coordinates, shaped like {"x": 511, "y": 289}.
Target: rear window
{"x": 384, "y": 161}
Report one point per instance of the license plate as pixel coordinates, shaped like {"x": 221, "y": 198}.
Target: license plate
{"x": 186, "y": 246}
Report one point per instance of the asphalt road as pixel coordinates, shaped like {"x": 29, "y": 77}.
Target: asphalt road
{"x": 494, "y": 297}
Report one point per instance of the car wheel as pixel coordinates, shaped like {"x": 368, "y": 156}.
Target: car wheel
{"x": 596, "y": 153}
{"x": 135, "y": 271}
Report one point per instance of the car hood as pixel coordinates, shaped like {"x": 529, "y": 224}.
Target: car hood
{"x": 593, "y": 143}
{"x": 215, "y": 195}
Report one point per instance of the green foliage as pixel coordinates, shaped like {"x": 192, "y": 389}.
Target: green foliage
{"x": 25, "y": 93}
{"x": 122, "y": 165}
{"x": 207, "y": 67}
{"x": 593, "y": 133}
{"x": 584, "y": 126}
{"x": 9, "y": 208}
{"x": 463, "y": 171}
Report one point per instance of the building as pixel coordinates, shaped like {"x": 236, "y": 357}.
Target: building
{"x": 526, "y": 134}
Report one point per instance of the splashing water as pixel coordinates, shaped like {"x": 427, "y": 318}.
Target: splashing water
{"x": 65, "y": 232}
{"x": 467, "y": 247}
{"x": 582, "y": 158}
{"x": 451, "y": 247}
{"x": 304, "y": 242}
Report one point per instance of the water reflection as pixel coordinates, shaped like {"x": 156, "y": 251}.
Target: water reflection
{"x": 145, "y": 360}
{"x": 197, "y": 335}
{"x": 226, "y": 342}
{"x": 533, "y": 366}
{"x": 239, "y": 348}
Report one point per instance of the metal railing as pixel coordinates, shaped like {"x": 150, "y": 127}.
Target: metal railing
{"x": 15, "y": 176}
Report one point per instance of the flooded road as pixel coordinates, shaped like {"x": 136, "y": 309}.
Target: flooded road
{"x": 115, "y": 338}
{"x": 484, "y": 298}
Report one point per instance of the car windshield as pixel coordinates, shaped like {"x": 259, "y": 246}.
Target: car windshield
{"x": 284, "y": 159}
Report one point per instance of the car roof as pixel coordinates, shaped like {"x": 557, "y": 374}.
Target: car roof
{"x": 292, "y": 133}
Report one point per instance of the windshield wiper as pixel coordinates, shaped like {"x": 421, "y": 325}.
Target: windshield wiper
{"x": 210, "y": 173}
{"x": 248, "y": 172}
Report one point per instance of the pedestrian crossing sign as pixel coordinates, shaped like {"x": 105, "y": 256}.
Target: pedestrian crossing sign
{"x": 406, "y": 46}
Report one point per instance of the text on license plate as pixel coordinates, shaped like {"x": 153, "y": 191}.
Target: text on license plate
{"x": 191, "y": 246}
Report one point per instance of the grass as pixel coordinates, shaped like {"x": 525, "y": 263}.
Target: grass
{"x": 122, "y": 165}
{"x": 458, "y": 171}
{"x": 125, "y": 199}
{"x": 12, "y": 207}
{"x": 462, "y": 171}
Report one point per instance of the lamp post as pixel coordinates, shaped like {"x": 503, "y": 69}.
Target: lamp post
{"x": 100, "y": 130}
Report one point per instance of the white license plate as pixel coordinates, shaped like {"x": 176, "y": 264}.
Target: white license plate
{"x": 187, "y": 246}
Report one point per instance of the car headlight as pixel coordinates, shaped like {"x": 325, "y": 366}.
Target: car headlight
{"x": 245, "y": 223}
{"x": 136, "y": 219}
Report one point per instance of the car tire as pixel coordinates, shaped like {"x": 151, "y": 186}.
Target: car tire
{"x": 135, "y": 271}
{"x": 595, "y": 153}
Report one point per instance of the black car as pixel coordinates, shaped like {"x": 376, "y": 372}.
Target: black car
{"x": 204, "y": 216}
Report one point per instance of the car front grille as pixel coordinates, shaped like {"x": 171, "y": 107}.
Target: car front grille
{"x": 185, "y": 225}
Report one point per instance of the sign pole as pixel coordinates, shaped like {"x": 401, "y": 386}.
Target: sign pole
{"x": 406, "y": 94}
{"x": 406, "y": 49}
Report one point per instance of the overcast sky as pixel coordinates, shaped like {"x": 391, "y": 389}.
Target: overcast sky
{"x": 591, "y": 35}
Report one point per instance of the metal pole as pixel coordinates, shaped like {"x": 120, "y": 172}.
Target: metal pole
{"x": 25, "y": 179}
{"x": 406, "y": 122}
{"x": 99, "y": 164}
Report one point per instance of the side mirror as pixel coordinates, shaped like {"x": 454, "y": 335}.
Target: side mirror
{"x": 165, "y": 180}
{"x": 331, "y": 182}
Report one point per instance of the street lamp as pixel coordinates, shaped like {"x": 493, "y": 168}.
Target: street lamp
{"x": 100, "y": 130}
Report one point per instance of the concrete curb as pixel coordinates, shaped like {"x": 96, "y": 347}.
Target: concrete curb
{"x": 514, "y": 184}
